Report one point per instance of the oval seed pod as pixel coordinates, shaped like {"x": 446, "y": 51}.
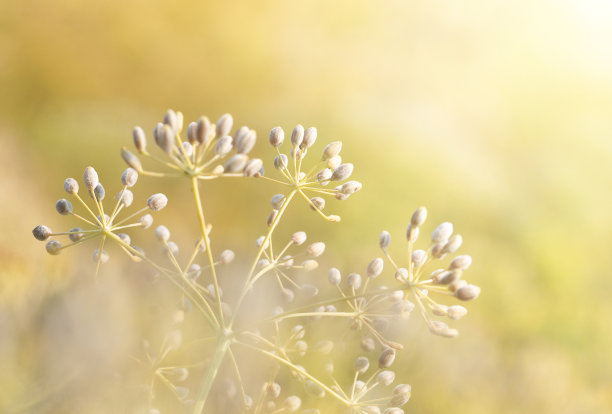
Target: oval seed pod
{"x": 124, "y": 237}
{"x": 317, "y": 203}
{"x": 90, "y": 178}
{"x": 324, "y": 175}
{"x": 99, "y": 192}
{"x": 442, "y": 232}
{"x": 63, "y": 207}
{"x": 298, "y": 238}
{"x": 140, "y": 140}
{"x": 41, "y": 232}
{"x": 292, "y": 403}
{"x": 331, "y": 150}
{"x": 129, "y": 177}
{"x": 350, "y": 187}
{"x": 166, "y": 139}
{"x": 361, "y": 364}
{"x": 203, "y": 130}
{"x": 402, "y": 274}
{"x": 254, "y": 168}
{"x": 224, "y": 125}
{"x": 375, "y": 268}
{"x": 280, "y": 161}
{"x": 277, "y": 136}
{"x": 309, "y": 265}
{"x": 157, "y": 202}
{"x": 310, "y": 136}
{"x": 402, "y": 391}
{"x": 71, "y": 186}
{"x": 412, "y": 233}
{"x": 368, "y": 344}
{"x": 226, "y": 257}
{"x": 246, "y": 142}
{"x": 271, "y": 217}
{"x": 461, "y": 262}
{"x": 467, "y": 292}
{"x": 146, "y": 221}
{"x": 297, "y": 135}
{"x": 419, "y": 217}
{"x": 102, "y": 257}
{"x": 131, "y": 160}
{"x": 386, "y": 358}
{"x": 53, "y": 247}
{"x": 162, "y": 233}
{"x": 191, "y": 133}
{"x": 186, "y": 150}
{"x": 384, "y": 240}
{"x": 236, "y": 163}
{"x": 453, "y": 244}
{"x": 343, "y": 172}
{"x": 277, "y": 201}
{"x": 125, "y": 197}
{"x": 223, "y": 146}
{"x": 316, "y": 249}
{"x": 171, "y": 119}
{"x": 418, "y": 258}
{"x": 394, "y": 410}
{"x": 333, "y": 276}
{"x": 354, "y": 281}
{"x": 456, "y": 312}
{"x": 386, "y": 378}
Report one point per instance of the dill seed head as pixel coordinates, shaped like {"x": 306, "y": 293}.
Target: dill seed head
{"x": 146, "y": 221}
{"x": 253, "y": 168}
{"x": 202, "y": 132}
{"x": 331, "y": 150}
{"x": 456, "y": 312}
{"x": 467, "y": 292}
{"x": 223, "y": 146}
{"x": 131, "y": 160}
{"x": 385, "y": 378}
{"x": 316, "y": 249}
{"x": 99, "y": 192}
{"x": 442, "y": 232}
{"x": 140, "y": 140}
{"x": 71, "y": 186}
{"x": 125, "y": 197}
{"x": 277, "y": 136}
{"x": 375, "y": 267}
{"x": 361, "y": 364}
{"x": 226, "y": 257}
{"x": 90, "y": 178}
{"x": 224, "y": 125}
{"x": 386, "y": 358}
{"x": 53, "y": 247}
{"x": 343, "y": 172}
{"x": 384, "y": 240}
{"x": 129, "y": 177}
{"x": 236, "y": 163}
{"x": 41, "y": 232}
{"x": 63, "y": 207}
{"x": 310, "y": 136}
{"x": 333, "y": 276}
{"x": 297, "y": 136}
{"x": 298, "y": 238}
{"x": 162, "y": 233}
{"x": 157, "y": 201}
{"x": 75, "y": 234}
{"x": 401, "y": 395}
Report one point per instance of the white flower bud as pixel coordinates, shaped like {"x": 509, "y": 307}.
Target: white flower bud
{"x": 162, "y": 233}
{"x": 310, "y": 136}
{"x": 384, "y": 240}
{"x": 125, "y": 197}
{"x": 442, "y": 232}
{"x": 146, "y": 221}
{"x": 354, "y": 281}
{"x": 157, "y": 202}
{"x": 53, "y": 247}
{"x": 277, "y": 136}
{"x": 224, "y": 125}
{"x": 140, "y": 140}
{"x": 386, "y": 378}
{"x": 461, "y": 262}
{"x": 90, "y": 178}
{"x": 223, "y": 146}
{"x": 333, "y": 276}
{"x": 129, "y": 177}
{"x": 236, "y": 163}
{"x": 375, "y": 267}
{"x": 254, "y": 168}
{"x": 41, "y": 233}
{"x": 202, "y": 132}
{"x": 71, "y": 186}
{"x": 343, "y": 172}
{"x": 316, "y": 249}
{"x": 63, "y": 206}
{"x": 456, "y": 312}
{"x": 331, "y": 150}
{"x": 226, "y": 257}
{"x": 361, "y": 364}
{"x": 418, "y": 217}
{"x": 297, "y": 135}
{"x": 298, "y": 238}
{"x": 467, "y": 292}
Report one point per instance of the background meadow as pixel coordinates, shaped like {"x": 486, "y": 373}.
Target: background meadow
{"x": 493, "y": 114}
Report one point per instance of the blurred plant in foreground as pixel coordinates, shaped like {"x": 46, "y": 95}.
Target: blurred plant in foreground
{"x": 301, "y": 342}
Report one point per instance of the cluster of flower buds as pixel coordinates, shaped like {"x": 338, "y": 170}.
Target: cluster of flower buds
{"x": 98, "y": 222}
{"x": 279, "y": 264}
{"x": 447, "y": 280}
{"x": 208, "y": 151}
{"x": 311, "y": 185}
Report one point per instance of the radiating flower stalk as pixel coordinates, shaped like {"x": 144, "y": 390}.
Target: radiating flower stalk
{"x": 362, "y": 309}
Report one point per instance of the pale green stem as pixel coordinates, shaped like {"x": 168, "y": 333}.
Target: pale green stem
{"x": 211, "y": 374}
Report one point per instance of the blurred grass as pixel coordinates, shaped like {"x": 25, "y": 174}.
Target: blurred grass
{"x": 493, "y": 114}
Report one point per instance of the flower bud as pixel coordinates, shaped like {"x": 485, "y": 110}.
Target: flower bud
{"x": 277, "y": 136}
{"x": 157, "y": 202}
{"x": 202, "y": 132}
{"x": 467, "y": 292}
{"x": 253, "y": 168}
{"x": 333, "y": 276}
{"x": 280, "y": 161}
{"x": 384, "y": 240}
{"x": 140, "y": 140}
{"x": 224, "y": 125}
{"x": 418, "y": 217}
{"x": 310, "y": 136}
{"x": 375, "y": 267}
{"x": 41, "y": 233}
{"x": 125, "y": 197}
{"x": 343, "y": 172}
{"x": 361, "y": 365}
{"x": 226, "y": 257}
{"x": 331, "y": 150}
{"x": 99, "y": 192}
{"x": 316, "y": 249}
{"x": 297, "y": 135}
{"x": 386, "y": 378}
{"x": 386, "y": 358}
{"x": 90, "y": 178}
{"x": 442, "y": 232}
{"x": 460, "y": 262}
{"x": 129, "y": 177}
{"x": 223, "y": 146}
{"x": 53, "y": 247}
{"x": 71, "y": 186}
{"x": 63, "y": 207}
{"x": 298, "y": 238}
{"x": 162, "y": 233}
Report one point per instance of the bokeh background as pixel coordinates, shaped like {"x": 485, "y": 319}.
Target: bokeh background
{"x": 494, "y": 114}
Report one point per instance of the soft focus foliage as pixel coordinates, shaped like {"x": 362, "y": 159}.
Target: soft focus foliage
{"x": 496, "y": 115}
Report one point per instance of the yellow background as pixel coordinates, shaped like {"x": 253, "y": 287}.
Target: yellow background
{"x": 494, "y": 114}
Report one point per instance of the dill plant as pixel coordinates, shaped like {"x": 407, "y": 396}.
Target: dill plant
{"x": 286, "y": 356}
